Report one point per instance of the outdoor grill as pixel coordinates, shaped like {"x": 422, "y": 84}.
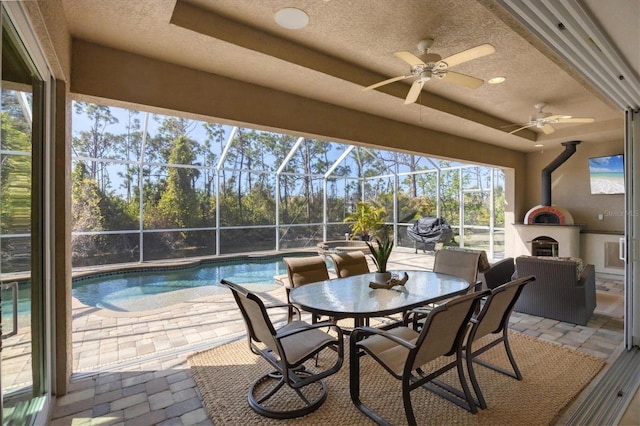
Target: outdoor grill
{"x": 429, "y": 231}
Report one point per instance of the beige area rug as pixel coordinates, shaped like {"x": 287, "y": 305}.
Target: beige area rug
{"x": 553, "y": 377}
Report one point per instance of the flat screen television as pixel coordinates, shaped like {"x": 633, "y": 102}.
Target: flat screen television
{"x": 606, "y": 174}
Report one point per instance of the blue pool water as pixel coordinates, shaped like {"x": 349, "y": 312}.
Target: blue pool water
{"x": 148, "y": 290}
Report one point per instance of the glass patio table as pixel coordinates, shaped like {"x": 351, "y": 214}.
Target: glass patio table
{"x": 351, "y": 297}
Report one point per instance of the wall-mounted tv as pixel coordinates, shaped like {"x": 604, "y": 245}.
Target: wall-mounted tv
{"x": 606, "y": 174}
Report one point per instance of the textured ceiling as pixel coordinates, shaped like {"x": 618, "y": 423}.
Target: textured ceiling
{"x": 349, "y": 45}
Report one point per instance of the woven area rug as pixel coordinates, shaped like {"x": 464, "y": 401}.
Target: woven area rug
{"x": 553, "y": 377}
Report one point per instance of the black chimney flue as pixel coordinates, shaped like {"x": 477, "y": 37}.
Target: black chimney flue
{"x": 569, "y": 150}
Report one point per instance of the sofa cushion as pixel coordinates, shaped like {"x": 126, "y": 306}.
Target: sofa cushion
{"x": 578, "y": 261}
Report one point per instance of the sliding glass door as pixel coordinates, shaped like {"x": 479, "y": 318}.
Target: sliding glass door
{"x": 632, "y": 276}
{"x": 24, "y": 265}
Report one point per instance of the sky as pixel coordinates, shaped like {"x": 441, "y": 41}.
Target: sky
{"x": 608, "y": 164}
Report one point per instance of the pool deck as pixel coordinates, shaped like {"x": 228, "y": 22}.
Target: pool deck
{"x": 131, "y": 367}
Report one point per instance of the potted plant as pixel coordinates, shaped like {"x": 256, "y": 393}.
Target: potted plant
{"x": 380, "y": 253}
{"x": 367, "y": 220}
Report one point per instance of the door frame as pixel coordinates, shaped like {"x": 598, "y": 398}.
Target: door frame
{"x": 42, "y": 140}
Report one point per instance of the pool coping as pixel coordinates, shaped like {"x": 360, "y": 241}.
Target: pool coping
{"x": 184, "y": 263}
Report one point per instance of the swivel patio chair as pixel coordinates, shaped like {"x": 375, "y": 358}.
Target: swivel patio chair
{"x": 304, "y": 270}
{"x": 350, "y": 263}
{"x": 403, "y": 352}
{"x": 494, "y": 319}
{"x": 287, "y": 350}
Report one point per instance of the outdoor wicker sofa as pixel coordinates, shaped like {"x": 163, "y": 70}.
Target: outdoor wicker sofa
{"x": 564, "y": 289}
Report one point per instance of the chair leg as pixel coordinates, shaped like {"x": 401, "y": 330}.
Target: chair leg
{"x": 512, "y": 360}
{"x": 289, "y": 308}
{"x": 504, "y": 340}
{"x": 263, "y": 389}
{"x": 354, "y": 381}
{"x": 463, "y": 398}
{"x": 406, "y": 401}
{"x": 463, "y": 383}
{"x": 354, "y": 371}
{"x": 472, "y": 376}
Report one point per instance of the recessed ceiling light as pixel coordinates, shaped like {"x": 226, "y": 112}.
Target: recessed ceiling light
{"x": 292, "y": 18}
{"x": 496, "y": 80}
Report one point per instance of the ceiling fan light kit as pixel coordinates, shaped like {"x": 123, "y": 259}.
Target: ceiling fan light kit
{"x": 431, "y": 66}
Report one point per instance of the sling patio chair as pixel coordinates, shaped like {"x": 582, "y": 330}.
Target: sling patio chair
{"x": 304, "y": 270}
{"x": 459, "y": 263}
{"x": 287, "y": 350}
{"x": 494, "y": 319}
{"x": 350, "y": 263}
{"x": 403, "y": 352}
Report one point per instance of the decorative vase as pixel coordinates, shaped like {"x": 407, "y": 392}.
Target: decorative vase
{"x": 382, "y": 277}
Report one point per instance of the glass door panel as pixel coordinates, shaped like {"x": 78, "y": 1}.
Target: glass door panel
{"x": 21, "y": 217}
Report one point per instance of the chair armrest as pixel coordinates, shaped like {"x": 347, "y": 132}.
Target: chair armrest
{"x": 280, "y": 305}
{"x": 415, "y": 315}
{"x": 282, "y": 335}
{"x": 368, "y": 331}
{"x": 285, "y": 306}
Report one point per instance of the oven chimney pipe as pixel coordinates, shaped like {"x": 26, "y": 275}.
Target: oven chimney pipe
{"x": 569, "y": 150}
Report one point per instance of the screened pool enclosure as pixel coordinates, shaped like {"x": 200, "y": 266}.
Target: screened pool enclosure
{"x": 150, "y": 187}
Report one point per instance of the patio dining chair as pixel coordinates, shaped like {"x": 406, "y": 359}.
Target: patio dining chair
{"x": 301, "y": 271}
{"x": 350, "y": 263}
{"x": 403, "y": 352}
{"x": 461, "y": 264}
{"x": 287, "y": 350}
{"x": 494, "y": 319}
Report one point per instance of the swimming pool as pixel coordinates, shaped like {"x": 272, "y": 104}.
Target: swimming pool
{"x": 144, "y": 290}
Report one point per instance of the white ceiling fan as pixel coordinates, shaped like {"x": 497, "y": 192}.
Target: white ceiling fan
{"x": 432, "y": 66}
{"x": 544, "y": 120}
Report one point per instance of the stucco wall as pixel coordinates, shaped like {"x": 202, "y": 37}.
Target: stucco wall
{"x": 50, "y": 26}
{"x": 570, "y": 186}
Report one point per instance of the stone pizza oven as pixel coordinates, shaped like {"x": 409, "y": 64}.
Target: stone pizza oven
{"x": 548, "y": 214}
{"x": 549, "y": 230}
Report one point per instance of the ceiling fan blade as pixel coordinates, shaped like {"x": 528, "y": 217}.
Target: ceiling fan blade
{"x": 463, "y": 80}
{"x": 414, "y": 92}
{"x": 514, "y": 124}
{"x": 391, "y": 80}
{"x": 409, "y": 58}
{"x": 555, "y": 117}
{"x": 576, "y": 120}
{"x": 548, "y": 129}
{"x": 469, "y": 54}
{"x": 521, "y": 128}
